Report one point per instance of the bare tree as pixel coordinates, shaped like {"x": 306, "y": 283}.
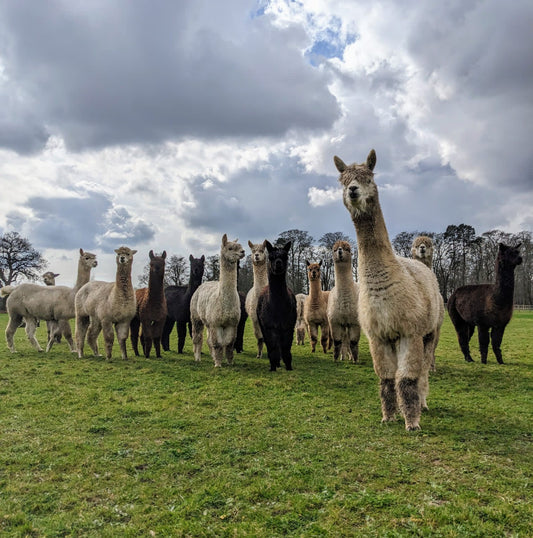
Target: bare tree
{"x": 18, "y": 259}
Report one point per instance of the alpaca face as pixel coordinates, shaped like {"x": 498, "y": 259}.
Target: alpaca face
{"x": 313, "y": 271}
{"x": 232, "y": 251}
{"x": 197, "y": 268}
{"x": 278, "y": 258}
{"x": 258, "y": 253}
{"x": 49, "y": 278}
{"x": 422, "y": 248}
{"x": 124, "y": 255}
{"x": 157, "y": 264}
{"x": 359, "y": 190}
{"x": 509, "y": 256}
{"x": 88, "y": 259}
{"x": 342, "y": 252}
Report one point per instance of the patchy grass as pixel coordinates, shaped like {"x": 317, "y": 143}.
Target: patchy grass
{"x": 171, "y": 447}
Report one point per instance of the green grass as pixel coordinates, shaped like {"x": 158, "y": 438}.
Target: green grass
{"x": 169, "y": 447}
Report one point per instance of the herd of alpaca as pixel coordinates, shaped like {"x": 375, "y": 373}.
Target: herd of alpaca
{"x": 396, "y": 302}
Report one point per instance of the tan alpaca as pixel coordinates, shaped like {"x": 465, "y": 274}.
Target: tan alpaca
{"x": 300, "y": 320}
{"x": 315, "y": 309}
{"x": 100, "y": 306}
{"x": 260, "y": 270}
{"x": 422, "y": 250}
{"x": 217, "y": 306}
{"x": 400, "y": 307}
{"x": 342, "y": 305}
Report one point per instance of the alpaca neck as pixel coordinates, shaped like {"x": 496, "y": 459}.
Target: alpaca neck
{"x": 375, "y": 249}
{"x": 260, "y": 275}
{"x": 277, "y": 283}
{"x": 194, "y": 283}
{"x": 84, "y": 274}
{"x": 343, "y": 276}
{"x": 155, "y": 286}
{"x": 315, "y": 289}
{"x": 123, "y": 285}
{"x": 228, "y": 276}
{"x": 503, "y": 284}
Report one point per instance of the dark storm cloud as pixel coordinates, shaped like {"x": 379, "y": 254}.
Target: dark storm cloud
{"x": 103, "y": 73}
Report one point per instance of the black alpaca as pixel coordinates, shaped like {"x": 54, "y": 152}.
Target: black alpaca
{"x": 179, "y": 302}
{"x": 488, "y": 307}
{"x": 239, "y": 339}
{"x": 276, "y": 309}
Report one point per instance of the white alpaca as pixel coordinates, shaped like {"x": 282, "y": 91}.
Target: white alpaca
{"x": 300, "y": 319}
{"x": 342, "y": 305}
{"x": 315, "y": 309}
{"x": 102, "y": 305}
{"x": 33, "y": 302}
{"x": 49, "y": 278}
{"x": 400, "y": 307}
{"x": 422, "y": 250}
{"x": 260, "y": 270}
{"x": 216, "y": 305}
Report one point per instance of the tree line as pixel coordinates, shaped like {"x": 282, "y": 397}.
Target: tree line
{"x": 460, "y": 257}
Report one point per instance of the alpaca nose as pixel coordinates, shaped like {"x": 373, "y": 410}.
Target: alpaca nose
{"x": 353, "y": 192}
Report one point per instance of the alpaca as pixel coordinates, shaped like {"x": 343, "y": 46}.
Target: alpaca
{"x": 300, "y": 320}
{"x": 33, "y": 302}
{"x": 179, "y": 304}
{"x": 315, "y": 309}
{"x": 276, "y": 309}
{"x": 342, "y": 304}
{"x": 216, "y": 304}
{"x": 49, "y": 278}
{"x": 487, "y": 306}
{"x": 102, "y": 305}
{"x": 422, "y": 250}
{"x": 400, "y": 307}
{"x": 260, "y": 271}
{"x": 151, "y": 309}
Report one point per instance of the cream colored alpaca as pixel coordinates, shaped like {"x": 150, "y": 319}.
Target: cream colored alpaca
{"x": 102, "y": 305}
{"x": 400, "y": 307}
{"x": 315, "y": 309}
{"x": 300, "y": 320}
{"x": 33, "y": 302}
{"x": 422, "y": 250}
{"x": 342, "y": 305}
{"x": 216, "y": 305}
{"x": 260, "y": 270}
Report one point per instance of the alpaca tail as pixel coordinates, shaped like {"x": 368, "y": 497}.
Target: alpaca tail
{"x": 452, "y": 310}
{"x": 6, "y": 291}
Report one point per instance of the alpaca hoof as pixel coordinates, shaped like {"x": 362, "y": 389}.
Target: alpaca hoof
{"x": 412, "y": 428}
{"x": 386, "y": 420}
{"x": 469, "y": 359}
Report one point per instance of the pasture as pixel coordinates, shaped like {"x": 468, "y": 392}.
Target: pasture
{"x": 170, "y": 447}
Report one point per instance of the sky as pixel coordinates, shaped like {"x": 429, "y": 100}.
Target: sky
{"x": 163, "y": 125}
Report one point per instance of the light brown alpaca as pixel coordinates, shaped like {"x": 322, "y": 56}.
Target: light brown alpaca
{"x": 400, "y": 307}
{"x": 315, "y": 309}
{"x": 102, "y": 305}
{"x": 260, "y": 270}
{"x": 422, "y": 250}
{"x": 342, "y": 305}
{"x": 300, "y": 320}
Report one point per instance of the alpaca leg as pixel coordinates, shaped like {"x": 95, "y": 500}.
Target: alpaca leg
{"x": 483, "y": 337}
{"x": 496, "y": 337}
{"x": 94, "y": 330}
{"x": 355, "y": 336}
{"x": 165, "y": 337}
{"x": 324, "y": 337}
{"x": 215, "y": 346}
{"x": 286, "y": 354}
{"x": 182, "y": 334}
{"x": 66, "y": 331}
{"x": 31, "y": 327}
{"x": 122, "y": 330}
{"x": 82, "y": 324}
{"x": 385, "y": 365}
{"x": 109, "y": 338}
{"x": 410, "y": 366}
{"x": 12, "y": 326}
{"x": 228, "y": 339}
{"x": 157, "y": 329}
{"x": 134, "y": 334}
{"x": 197, "y": 338}
{"x": 313, "y": 335}
{"x": 259, "y": 337}
{"x": 464, "y": 334}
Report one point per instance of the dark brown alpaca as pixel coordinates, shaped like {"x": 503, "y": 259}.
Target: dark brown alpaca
{"x": 488, "y": 307}
{"x": 151, "y": 309}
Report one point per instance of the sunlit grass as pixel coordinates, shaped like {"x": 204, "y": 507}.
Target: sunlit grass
{"x": 172, "y": 447}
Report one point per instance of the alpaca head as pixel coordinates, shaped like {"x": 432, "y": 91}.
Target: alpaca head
{"x": 313, "y": 270}
{"x": 342, "y": 252}
{"x": 231, "y": 251}
{"x": 278, "y": 258}
{"x": 258, "y": 252}
{"x": 360, "y": 193}
{"x": 124, "y": 256}
{"x": 508, "y": 256}
{"x": 87, "y": 259}
{"x": 422, "y": 248}
{"x": 197, "y": 268}
{"x": 157, "y": 264}
{"x": 49, "y": 278}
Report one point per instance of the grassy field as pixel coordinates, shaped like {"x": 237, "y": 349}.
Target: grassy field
{"x": 169, "y": 447}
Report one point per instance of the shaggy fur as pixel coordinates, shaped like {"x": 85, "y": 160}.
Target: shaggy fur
{"x": 151, "y": 309}
{"x": 400, "y": 307}
{"x": 33, "y": 302}
{"x": 422, "y": 250}
{"x": 217, "y": 306}
{"x": 260, "y": 270}
{"x": 342, "y": 305}
{"x": 179, "y": 304}
{"x": 300, "y": 320}
{"x": 315, "y": 309}
{"x": 276, "y": 309}
{"x": 102, "y": 305}
{"x": 489, "y": 307}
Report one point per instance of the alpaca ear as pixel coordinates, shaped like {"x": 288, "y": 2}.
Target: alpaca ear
{"x": 203, "y": 258}
{"x": 518, "y": 246}
{"x": 250, "y": 244}
{"x": 307, "y": 262}
{"x": 81, "y": 252}
{"x": 56, "y": 274}
{"x": 339, "y": 163}
{"x": 371, "y": 159}
{"x": 116, "y": 251}
{"x": 151, "y": 254}
{"x": 164, "y": 255}
{"x": 287, "y": 247}
{"x": 269, "y": 246}
{"x": 224, "y": 240}
{"x": 191, "y": 258}
{"x": 133, "y": 252}
{"x": 320, "y": 263}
